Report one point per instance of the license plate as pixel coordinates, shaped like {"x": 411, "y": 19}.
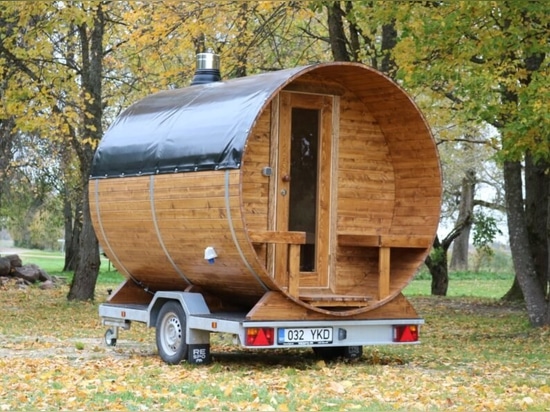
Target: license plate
{"x": 304, "y": 336}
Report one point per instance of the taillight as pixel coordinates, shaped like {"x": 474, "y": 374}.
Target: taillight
{"x": 405, "y": 333}
{"x": 259, "y": 336}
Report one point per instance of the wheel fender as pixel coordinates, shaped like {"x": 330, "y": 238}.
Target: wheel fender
{"x": 192, "y": 304}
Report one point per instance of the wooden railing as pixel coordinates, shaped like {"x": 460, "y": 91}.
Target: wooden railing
{"x": 385, "y": 243}
{"x": 293, "y": 240}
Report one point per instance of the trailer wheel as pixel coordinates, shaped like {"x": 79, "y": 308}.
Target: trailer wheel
{"x": 110, "y": 337}
{"x": 329, "y": 353}
{"x": 170, "y": 333}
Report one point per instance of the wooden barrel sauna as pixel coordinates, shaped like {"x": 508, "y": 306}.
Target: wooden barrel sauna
{"x": 319, "y": 184}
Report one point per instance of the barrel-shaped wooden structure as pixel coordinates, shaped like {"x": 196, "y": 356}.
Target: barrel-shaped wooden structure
{"x": 320, "y": 184}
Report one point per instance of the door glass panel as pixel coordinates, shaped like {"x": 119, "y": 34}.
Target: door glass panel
{"x": 303, "y": 183}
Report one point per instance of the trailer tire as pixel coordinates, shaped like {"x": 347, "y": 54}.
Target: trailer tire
{"x": 170, "y": 333}
{"x": 329, "y": 353}
{"x": 110, "y": 337}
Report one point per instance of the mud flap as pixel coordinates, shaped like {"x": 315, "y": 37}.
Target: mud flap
{"x": 353, "y": 352}
{"x": 199, "y": 354}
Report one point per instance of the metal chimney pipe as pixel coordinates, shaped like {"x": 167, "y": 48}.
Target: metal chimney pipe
{"x": 207, "y": 68}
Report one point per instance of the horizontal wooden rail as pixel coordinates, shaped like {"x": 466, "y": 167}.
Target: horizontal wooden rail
{"x": 336, "y": 300}
{"x": 290, "y": 238}
{"x": 401, "y": 241}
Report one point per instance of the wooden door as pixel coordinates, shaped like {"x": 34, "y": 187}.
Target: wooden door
{"x": 303, "y": 184}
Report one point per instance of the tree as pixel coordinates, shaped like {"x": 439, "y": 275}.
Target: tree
{"x": 71, "y": 76}
{"x": 29, "y": 192}
{"x": 490, "y": 60}
{"x": 461, "y": 245}
{"x": 368, "y": 32}
{"x": 57, "y": 49}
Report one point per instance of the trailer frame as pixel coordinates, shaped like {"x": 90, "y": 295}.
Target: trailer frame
{"x": 188, "y": 335}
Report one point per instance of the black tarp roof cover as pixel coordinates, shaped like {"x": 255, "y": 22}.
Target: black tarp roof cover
{"x": 202, "y": 127}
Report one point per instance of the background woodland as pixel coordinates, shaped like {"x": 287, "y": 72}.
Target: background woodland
{"x": 479, "y": 71}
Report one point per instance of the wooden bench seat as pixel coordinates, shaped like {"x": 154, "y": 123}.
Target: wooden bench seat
{"x": 384, "y": 243}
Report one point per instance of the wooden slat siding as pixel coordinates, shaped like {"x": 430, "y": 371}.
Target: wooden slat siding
{"x": 360, "y": 206}
{"x": 129, "y": 292}
{"x": 416, "y": 168}
{"x": 406, "y": 163}
{"x": 378, "y": 213}
{"x": 125, "y": 216}
{"x": 358, "y": 240}
{"x": 255, "y": 193}
{"x": 431, "y": 193}
{"x": 351, "y": 193}
{"x": 364, "y": 172}
{"x": 315, "y": 86}
{"x": 247, "y": 249}
{"x": 417, "y": 225}
{"x": 410, "y": 146}
{"x": 414, "y": 222}
{"x": 189, "y": 219}
{"x": 366, "y": 185}
{"x": 413, "y": 241}
{"x": 351, "y": 163}
{"x": 352, "y": 212}
{"x": 385, "y": 244}
{"x": 275, "y": 306}
{"x": 132, "y": 237}
{"x": 348, "y": 223}
{"x": 255, "y": 187}
{"x": 420, "y": 173}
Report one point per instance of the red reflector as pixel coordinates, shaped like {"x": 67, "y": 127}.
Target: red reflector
{"x": 259, "y": 336}
{"x": 405, "y": 333}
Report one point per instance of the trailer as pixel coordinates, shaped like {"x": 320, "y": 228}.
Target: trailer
{"x": 184, "y": 323}
{"x": 288, "y": 208}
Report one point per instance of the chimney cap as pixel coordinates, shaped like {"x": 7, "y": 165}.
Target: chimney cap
{"x": 208, "y": 61}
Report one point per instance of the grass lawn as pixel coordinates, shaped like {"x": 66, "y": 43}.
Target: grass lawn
{"x": 476, "y": 354}
{"x": 484, "y": 285}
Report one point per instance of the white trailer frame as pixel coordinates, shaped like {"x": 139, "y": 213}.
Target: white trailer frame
{"x": 198, "y": 322}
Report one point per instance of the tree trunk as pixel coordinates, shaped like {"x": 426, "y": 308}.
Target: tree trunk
{"x": 23, "y": 237}
{"x": 440, "y": 279}
{"x": 438, "y": 266}
{"x": 537, "y": 182}
{"x": 337, "y": 34}
{"x": 548, "y": 242}
{"x": 522, "y": 257}
{"x": 389, "y": 41}
{"x": 514, "y": 294}
{"x": 241, "y": 50}
{"x": 73, "y": 226}
{"x": 85, "y": 277}
{"x": 6, "y": 152}
{"x": 355, "y": 45}
{"x": 461, "y": 245}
